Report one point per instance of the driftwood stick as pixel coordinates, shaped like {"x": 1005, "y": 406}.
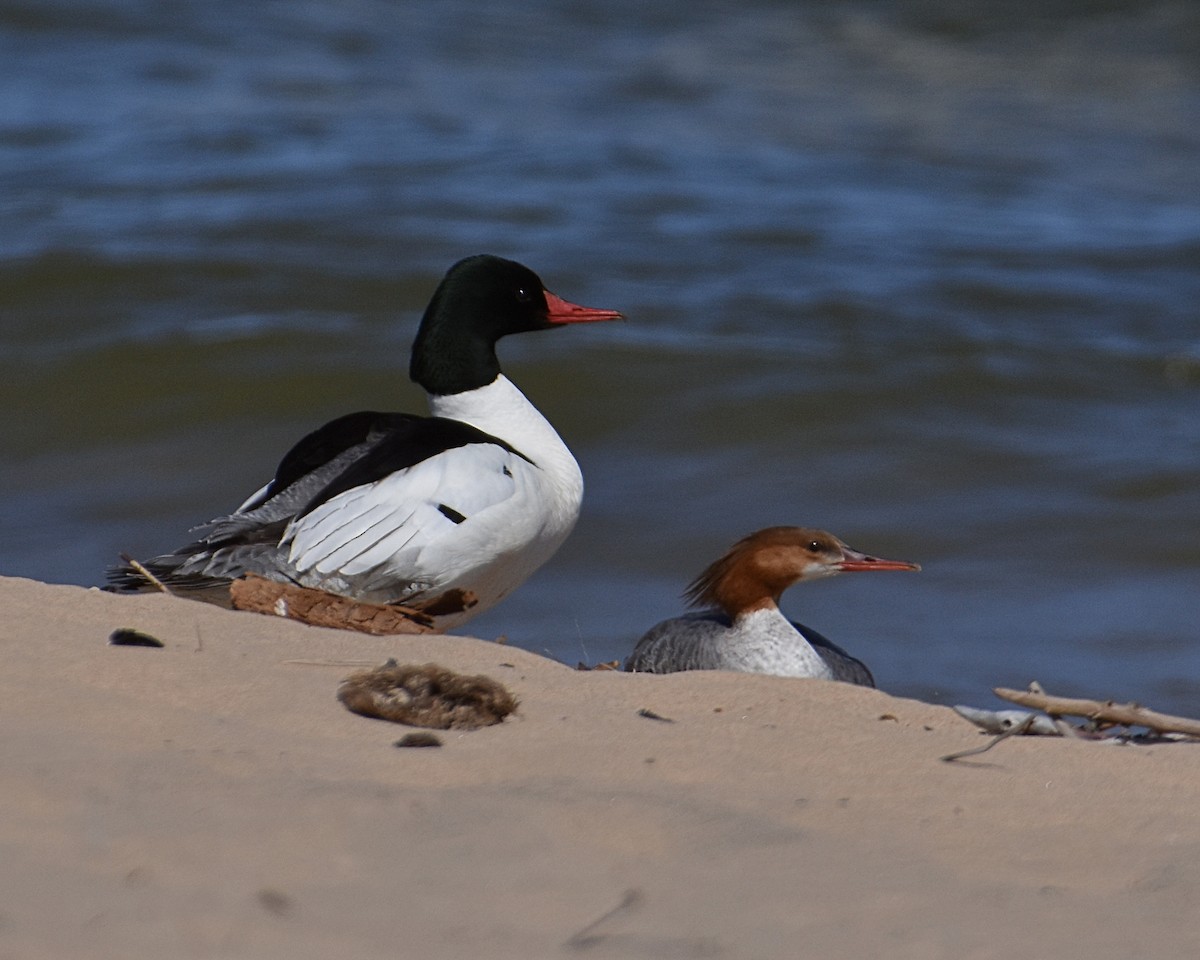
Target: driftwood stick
{"x": 322, "y": 609}
{"x": 142, "y": 571}
{"x": 1102, "y": 711}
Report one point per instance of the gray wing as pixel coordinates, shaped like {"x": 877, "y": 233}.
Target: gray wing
{"x": 240, "y": 542}
{"x": 846, "y": 668}
{"x": 690, "y": 642}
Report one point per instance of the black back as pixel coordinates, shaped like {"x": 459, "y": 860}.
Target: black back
{"x": 394, "y": 442}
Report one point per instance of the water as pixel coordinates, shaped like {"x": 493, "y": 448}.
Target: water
{"x": 924, "y": 274}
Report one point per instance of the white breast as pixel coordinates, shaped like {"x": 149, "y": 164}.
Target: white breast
{"x": 765, "y": 642}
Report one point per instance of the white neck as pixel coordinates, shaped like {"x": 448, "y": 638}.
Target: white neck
{"x": 503, "y": 411}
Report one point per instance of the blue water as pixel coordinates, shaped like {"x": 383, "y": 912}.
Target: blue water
{"x": 925, "y": 274}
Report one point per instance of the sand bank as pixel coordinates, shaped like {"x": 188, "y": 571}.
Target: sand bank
{"x": 214, "y": 799}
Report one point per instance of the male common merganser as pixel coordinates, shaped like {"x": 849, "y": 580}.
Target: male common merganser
{"x": 447, "y": 513}
{"x": 743, "y": 628}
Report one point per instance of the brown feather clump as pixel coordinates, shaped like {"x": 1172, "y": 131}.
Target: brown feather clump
{"x": 428, "y": 695}
{"x": 321, "y": 609}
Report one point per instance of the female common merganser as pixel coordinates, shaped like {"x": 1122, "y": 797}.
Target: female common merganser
{"x": 447, "y": 513}
{"x": 744, "y": 628}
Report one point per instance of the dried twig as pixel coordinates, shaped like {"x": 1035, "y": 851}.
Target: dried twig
{"x": 1022, "y": 727}
{"x": 587, "y": 937}
{"x": 141, "y": 570}
{"x": 605, "y": 665}
{"x": 1102, "y": 711}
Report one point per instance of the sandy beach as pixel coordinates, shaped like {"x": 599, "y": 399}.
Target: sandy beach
{"x": 214, "y": 799}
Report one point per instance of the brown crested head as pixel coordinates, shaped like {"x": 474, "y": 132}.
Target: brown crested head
{"x": 756, "y": 570}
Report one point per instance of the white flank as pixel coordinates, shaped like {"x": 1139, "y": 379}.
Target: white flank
{"x": 389, "y": 541}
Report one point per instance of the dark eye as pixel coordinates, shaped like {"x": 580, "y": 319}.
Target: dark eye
{"x": 816, "y": 546}
{"x": 524, "y": 295}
